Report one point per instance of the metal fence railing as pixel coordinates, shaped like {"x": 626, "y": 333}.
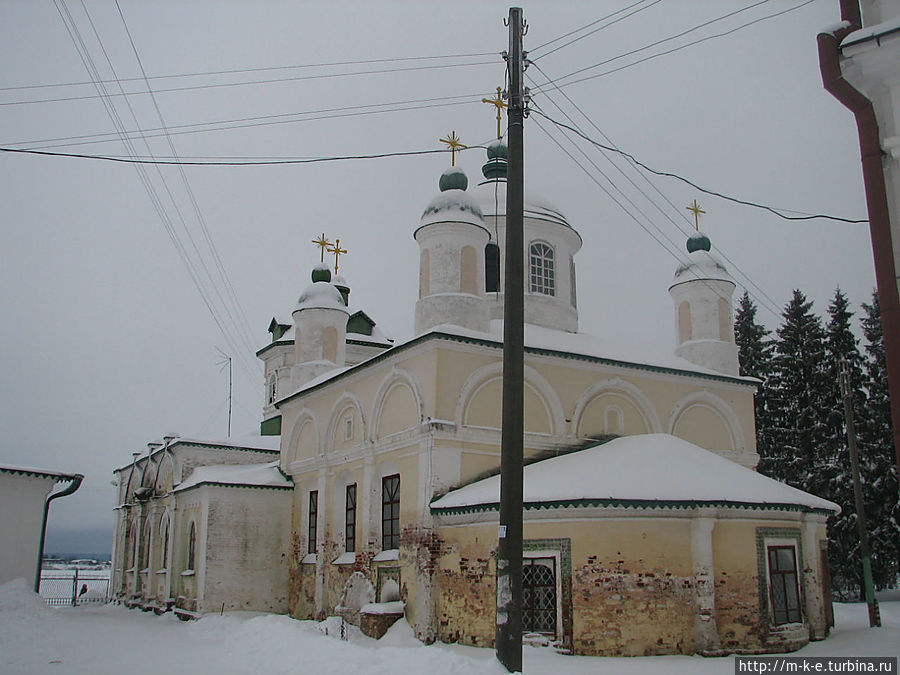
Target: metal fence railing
{"x": 71, "y": 588}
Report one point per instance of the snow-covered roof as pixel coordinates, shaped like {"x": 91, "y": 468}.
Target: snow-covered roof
{"x": 33, "y": 471}
{"x": 254, "y": 475}
{"x": 585, "y": 344}
{"x": 541, "y": 339}
{"x": 645, "y": 468}
{"x": 875, "y": 31}
{"x": 321, "y": 295}
{"x": 491, "y": 197}
{"x": 251, "y": 442}
{"x": 452, "y": 206}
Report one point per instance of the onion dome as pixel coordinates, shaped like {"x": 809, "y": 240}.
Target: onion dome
{"x": 495, "y": 167}
{"x": 701, "y": 263}
{"x": 453, "y": 204}
{"x": 698, "y": 242}
{"x": 453, "y": 178}
{"x": 321, "y": 294}
{"x": 321, "y": 272}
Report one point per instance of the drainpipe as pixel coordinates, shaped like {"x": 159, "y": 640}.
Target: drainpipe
{"x": 829, "y": 44}
{"x": 74, "y": 485}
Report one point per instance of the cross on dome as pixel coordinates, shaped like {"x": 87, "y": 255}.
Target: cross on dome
{"x": 323, "y": 245}
{"x": 338, "y": 251}
{"x": 696, "y": 210}
{"x": 453, "y": 143}
{"x": 500, "y": 104}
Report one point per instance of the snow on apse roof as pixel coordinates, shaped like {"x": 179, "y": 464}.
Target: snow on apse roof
{"x": 261, "y": 475}
{"x": 648, "y": 467}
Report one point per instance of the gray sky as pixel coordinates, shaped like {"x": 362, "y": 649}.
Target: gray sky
{"x": 106, "y": 341}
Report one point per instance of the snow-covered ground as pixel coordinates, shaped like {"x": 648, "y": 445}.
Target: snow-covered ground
{"x": 35, "y": 638}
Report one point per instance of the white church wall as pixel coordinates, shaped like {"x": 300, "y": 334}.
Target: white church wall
{"x": 22, "y": 505}
{"x": 246, "y": 548}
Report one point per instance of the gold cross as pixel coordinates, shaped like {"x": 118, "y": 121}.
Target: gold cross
{"x": 696, "y": 210}
{"x": 500, "y": 105}
{"x": 323, "y": 245}
{"x": 453, "y": 143}
{"x": 337, "y": 250}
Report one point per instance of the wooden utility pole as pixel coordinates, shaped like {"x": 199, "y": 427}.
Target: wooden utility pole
{"x": 862, "y": 528}
{"x": 509, "y": 549}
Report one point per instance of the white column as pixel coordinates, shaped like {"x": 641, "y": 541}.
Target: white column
{"x": 706, "y": 632}
{"x": 810, "y": 576}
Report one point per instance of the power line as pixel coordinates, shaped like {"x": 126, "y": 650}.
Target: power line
{"x": 773, "y": 307}
{"x": 667, "y": 174}
{"x": 597, "y": 30}
{"x": 243, "y": 324}
{"x": 263, "y": 120}
{"x": 276, "y": 80}
{"x": 255, "y": 70}
{"x": 266, "y": 162}
{"x": 584, "y": 27}
{"x": 669, "y": 51}
{"x": 90, "y": 66}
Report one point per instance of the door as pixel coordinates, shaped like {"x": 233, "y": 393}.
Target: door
{"x": 539, "y": 595}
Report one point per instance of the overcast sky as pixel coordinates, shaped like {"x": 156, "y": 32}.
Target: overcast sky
{"x": 107, "y": 343}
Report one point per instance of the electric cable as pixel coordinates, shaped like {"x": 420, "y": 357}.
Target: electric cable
{"x": 773, "y": 306}
{"x": 597, "y": 30}
{"x": 675, "y": 49}
{"x": 714, "y": 193}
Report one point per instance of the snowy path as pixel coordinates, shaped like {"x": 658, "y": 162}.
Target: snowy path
{"x": 35, "y": 639}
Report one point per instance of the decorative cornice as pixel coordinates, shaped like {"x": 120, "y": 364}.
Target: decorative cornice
{"x": 633, "y": 504}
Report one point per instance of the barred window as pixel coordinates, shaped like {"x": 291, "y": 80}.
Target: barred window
{"x": 542, "y": 270}
{"x": 390, "y": 512}
{"x": 311, "y": 530}
{"x": 783, "y": 588}
{"x": 350, "y": 519}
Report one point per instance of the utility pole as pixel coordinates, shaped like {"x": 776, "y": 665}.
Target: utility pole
{"x": 509, "y": 548}
{"x": 226, "y": 361}
{"x": 865, "y": 554}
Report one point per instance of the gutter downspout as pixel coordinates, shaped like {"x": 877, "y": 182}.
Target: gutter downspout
{"x": 74, "y": 485}
{"x": 876, "y": 198}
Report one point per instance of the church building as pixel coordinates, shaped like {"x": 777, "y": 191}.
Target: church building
{"x": 373, "y": 492}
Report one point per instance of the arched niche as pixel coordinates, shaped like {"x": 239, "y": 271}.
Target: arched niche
{"x": 614, "y": 400}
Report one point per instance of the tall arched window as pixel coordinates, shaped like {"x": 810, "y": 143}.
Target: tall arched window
{"x": 164, "y": 530}
{"x": 192, "y": 546}
{"x": 543, "y": 279}
{"x": 271, "y": 388}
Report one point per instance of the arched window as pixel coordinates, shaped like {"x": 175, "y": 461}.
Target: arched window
{"x": 271, "y": 386}
{"x": 543, "y": 279}
{"x": 145, "y": 549}
{"x": 491, "y": 268}
{"x": 164, "y": 530}
{"x": 192, "y": 546}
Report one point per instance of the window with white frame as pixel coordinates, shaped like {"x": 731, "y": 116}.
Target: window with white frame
{"x": 543, "y": 278}
{"x": 271, "y": 388}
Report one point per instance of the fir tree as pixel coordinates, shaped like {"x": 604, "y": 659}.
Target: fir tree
{"x": 834, "y": 480}
{"x": 878, "y": 467}
{"x": 755, "y": 356}
{"x": 796, "y": 396}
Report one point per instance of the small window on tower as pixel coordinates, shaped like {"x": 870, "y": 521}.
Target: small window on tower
{"x": 271, "y": 388}
{"x": 542, "y": 272}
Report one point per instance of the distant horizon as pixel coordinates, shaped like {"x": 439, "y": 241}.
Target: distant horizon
{"x": 87, "y": 543}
